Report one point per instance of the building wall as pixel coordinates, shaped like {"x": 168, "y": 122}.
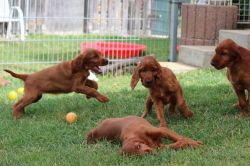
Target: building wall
{"x": 201, "y": 23}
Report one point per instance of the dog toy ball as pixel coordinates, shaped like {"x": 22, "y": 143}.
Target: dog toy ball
{"x": 12, "y": 95}
{"x": 20, "y": 91}
{"x": 71, "y": 117}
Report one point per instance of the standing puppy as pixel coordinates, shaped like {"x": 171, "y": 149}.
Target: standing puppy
{"x": 137, "y": 135}
{"x": 163, "y": 88}
{"x": 66, "y": 77}
{"x": 237, "y": 61}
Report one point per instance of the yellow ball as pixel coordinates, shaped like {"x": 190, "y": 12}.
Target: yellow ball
{"x": 20, "y": 91}
{"x": 12, "y": 95}
{"x": 71, "y": 117}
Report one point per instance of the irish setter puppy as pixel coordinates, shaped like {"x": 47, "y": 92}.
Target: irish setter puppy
{"x": 236, "y": 59}
{"x": 66, "y": 77}
{"x": 138, "y": 136}
{"x": 163, "y": 88}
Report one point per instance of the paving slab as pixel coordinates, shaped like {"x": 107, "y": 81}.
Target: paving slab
{"x": 199, "y": 56}
{"x": 178, "y": 67}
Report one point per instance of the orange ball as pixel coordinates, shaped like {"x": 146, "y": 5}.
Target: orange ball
{"x": 71, "y": 117}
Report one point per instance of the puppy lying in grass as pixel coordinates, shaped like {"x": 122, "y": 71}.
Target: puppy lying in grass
{"x": 138, "y": 136}
{"x": 163, "y": 89}
{"x": 66, "y": 77}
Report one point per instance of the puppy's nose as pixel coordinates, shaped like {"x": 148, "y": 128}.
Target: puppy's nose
{"x": 106, "y": 61}
{"x": 212, "y": 63}
{"x": 149, "y": 82}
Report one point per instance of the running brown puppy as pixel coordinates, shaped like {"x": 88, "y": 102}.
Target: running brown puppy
{"x": 138, "y": 136}
{"x": 66, "y": 77}
{"x": 237, "y": 61}
{"x": 163, "y": 88}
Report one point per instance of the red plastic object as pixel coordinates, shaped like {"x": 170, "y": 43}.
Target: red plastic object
{"x": 178, "y": 48}
{"x": 116, "y": 49}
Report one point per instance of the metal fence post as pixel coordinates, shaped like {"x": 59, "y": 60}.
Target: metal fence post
{"x": 173, "y": 29}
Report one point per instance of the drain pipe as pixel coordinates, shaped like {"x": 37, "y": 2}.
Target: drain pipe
{"x": 173, "y": 29}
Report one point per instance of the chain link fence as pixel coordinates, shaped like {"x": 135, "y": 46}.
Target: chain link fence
{"x": 243, "y": 11}
{"x": 56, "y": 30}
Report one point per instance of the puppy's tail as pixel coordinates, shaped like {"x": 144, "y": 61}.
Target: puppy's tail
{"x": 20, "y": 76}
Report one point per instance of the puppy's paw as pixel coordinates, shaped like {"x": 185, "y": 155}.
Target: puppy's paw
{"x": 184, "y": 143}
{"x": 90, "y": 139}
{"x": 244, "y": 113}
{"x": 144, "y": 115}
{"x": 17, "y": 114}
{"x": 164, "y": 125}
{"x": 102, "y": 98}
{"x": 188, "y": 114}
{"x": 236, "y": 106}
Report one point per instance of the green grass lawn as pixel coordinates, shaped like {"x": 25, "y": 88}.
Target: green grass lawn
{"x": 42, "y": 137}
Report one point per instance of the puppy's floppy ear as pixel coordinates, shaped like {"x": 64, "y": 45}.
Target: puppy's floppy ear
{"x": 77, "y": 64}
{"x": 237, "y": 51}
{"x": 159, "y": 72}
{"x": 135, "y": 77}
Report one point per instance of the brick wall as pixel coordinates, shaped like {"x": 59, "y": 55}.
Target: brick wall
{"x": 201, "y": 23}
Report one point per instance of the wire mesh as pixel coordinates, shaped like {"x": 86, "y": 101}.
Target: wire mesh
{"x": 55, "y": 29}
{"x": 243, "y": 11}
